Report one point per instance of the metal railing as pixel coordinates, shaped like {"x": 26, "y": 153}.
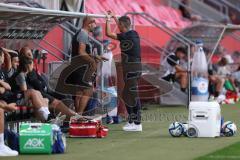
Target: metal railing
{"x": 157, "y": 23}
{"x": 71, "y": 31}
{"x": 207, "y": 18}
{"x": 74, "y": 15}
{"x": 233, "y": 35}
{"x": 223, "y": 7}
{"x": 153, "y": 45}
{"x": 228, "y": 4}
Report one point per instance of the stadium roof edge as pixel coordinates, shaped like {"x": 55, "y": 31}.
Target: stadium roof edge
{"x": 12, "y": 8}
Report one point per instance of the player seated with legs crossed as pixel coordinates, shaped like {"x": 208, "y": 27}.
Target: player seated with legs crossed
{"x": 35, "y": 81}
{"x": 173, "y": 70}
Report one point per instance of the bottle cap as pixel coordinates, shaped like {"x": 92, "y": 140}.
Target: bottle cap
{"x": 199, "y": 42}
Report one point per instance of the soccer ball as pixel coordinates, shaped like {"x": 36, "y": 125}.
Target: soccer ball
{"x": 229, "y": 128}
{"x": 185, "y": 129}
{"x": 175, "y": 129}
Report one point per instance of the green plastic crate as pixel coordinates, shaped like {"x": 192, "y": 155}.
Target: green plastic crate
{"x": 35, "y": 138}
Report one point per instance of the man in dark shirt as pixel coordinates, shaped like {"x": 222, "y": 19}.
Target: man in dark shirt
{"x": 131, "y": 63}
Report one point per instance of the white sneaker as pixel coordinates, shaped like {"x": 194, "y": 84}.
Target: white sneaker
{"x": 126, "y": 125}
{"x": 133, "y": 127}
{"x": 211, "y": 98}
{"x": 220, "y": 98}
{"x": 5, "y": 151}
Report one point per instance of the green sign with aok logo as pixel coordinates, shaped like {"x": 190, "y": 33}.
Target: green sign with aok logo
{"x": 35, "y": 138}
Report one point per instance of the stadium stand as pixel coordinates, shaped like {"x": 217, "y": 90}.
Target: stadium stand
{"x": 168, "y": 15}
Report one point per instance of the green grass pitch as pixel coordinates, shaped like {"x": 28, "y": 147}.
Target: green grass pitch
{"x": 154, "y": 143}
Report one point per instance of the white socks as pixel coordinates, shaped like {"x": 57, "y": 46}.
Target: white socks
{"x": 45, "y": 112}
{"x": 1, "y": 139}
{"x": 5, "y": 151}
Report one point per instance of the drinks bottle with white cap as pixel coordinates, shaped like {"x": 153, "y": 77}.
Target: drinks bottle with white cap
{"x": 199, "y": 88}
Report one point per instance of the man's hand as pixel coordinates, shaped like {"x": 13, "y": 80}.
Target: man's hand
{"x": 5, "y": 85}
{"x": 104, "y": 58}
{"x": 108, "y": 15}
{"x": 7, "y": 51}
{"x": 108, "y": 31}
{"x": 100, "y": 58}
{"x": 9, "y": 107}
{"x": 113, "y": 15}
{"x": 2, "y": 90}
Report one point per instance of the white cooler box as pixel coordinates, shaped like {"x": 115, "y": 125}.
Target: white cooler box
{"x": 204, "y": 119}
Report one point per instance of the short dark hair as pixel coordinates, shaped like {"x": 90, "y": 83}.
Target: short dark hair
{"x": 181, "y": 49}
{"x": 23, "y": 62}
{"x": 88, "y": 20}
{"x": 223, "y": 61}
{"x": 13, "y": 56}
{"x": 125, "y": 20}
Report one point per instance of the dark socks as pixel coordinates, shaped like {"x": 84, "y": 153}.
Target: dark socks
{"x": 137, "y": 123}
{"x": 183, "y": 89}
{"x": 216, "y": 94}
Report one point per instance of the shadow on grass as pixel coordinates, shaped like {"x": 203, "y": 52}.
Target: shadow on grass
{"x": 226, "y": 153}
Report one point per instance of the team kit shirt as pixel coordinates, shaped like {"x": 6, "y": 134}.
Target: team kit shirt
{"x": 169, "y": 64}
{"x": 10, "y": 96}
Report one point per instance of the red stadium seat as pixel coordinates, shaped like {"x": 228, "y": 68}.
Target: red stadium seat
{"x": 167, "y": 15}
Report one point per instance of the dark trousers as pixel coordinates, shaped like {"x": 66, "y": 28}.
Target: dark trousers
{"x": 131, "y": 97}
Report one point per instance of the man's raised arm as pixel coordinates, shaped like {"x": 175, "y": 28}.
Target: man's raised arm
{"x": 109, "y": 33}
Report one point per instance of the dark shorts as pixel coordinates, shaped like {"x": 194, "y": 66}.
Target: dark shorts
{"x": 76, "y": 77}
{"x": 170, "y": 77}
{"x": 48, "y": 96}
{"x": 13, "y": 97}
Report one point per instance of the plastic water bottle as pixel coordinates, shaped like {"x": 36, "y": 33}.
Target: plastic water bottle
{"x": 199, "y": 88}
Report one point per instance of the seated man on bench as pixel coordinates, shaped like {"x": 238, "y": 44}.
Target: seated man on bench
{"x": 35, "y": 81}
{"x": 22, "y": 98}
